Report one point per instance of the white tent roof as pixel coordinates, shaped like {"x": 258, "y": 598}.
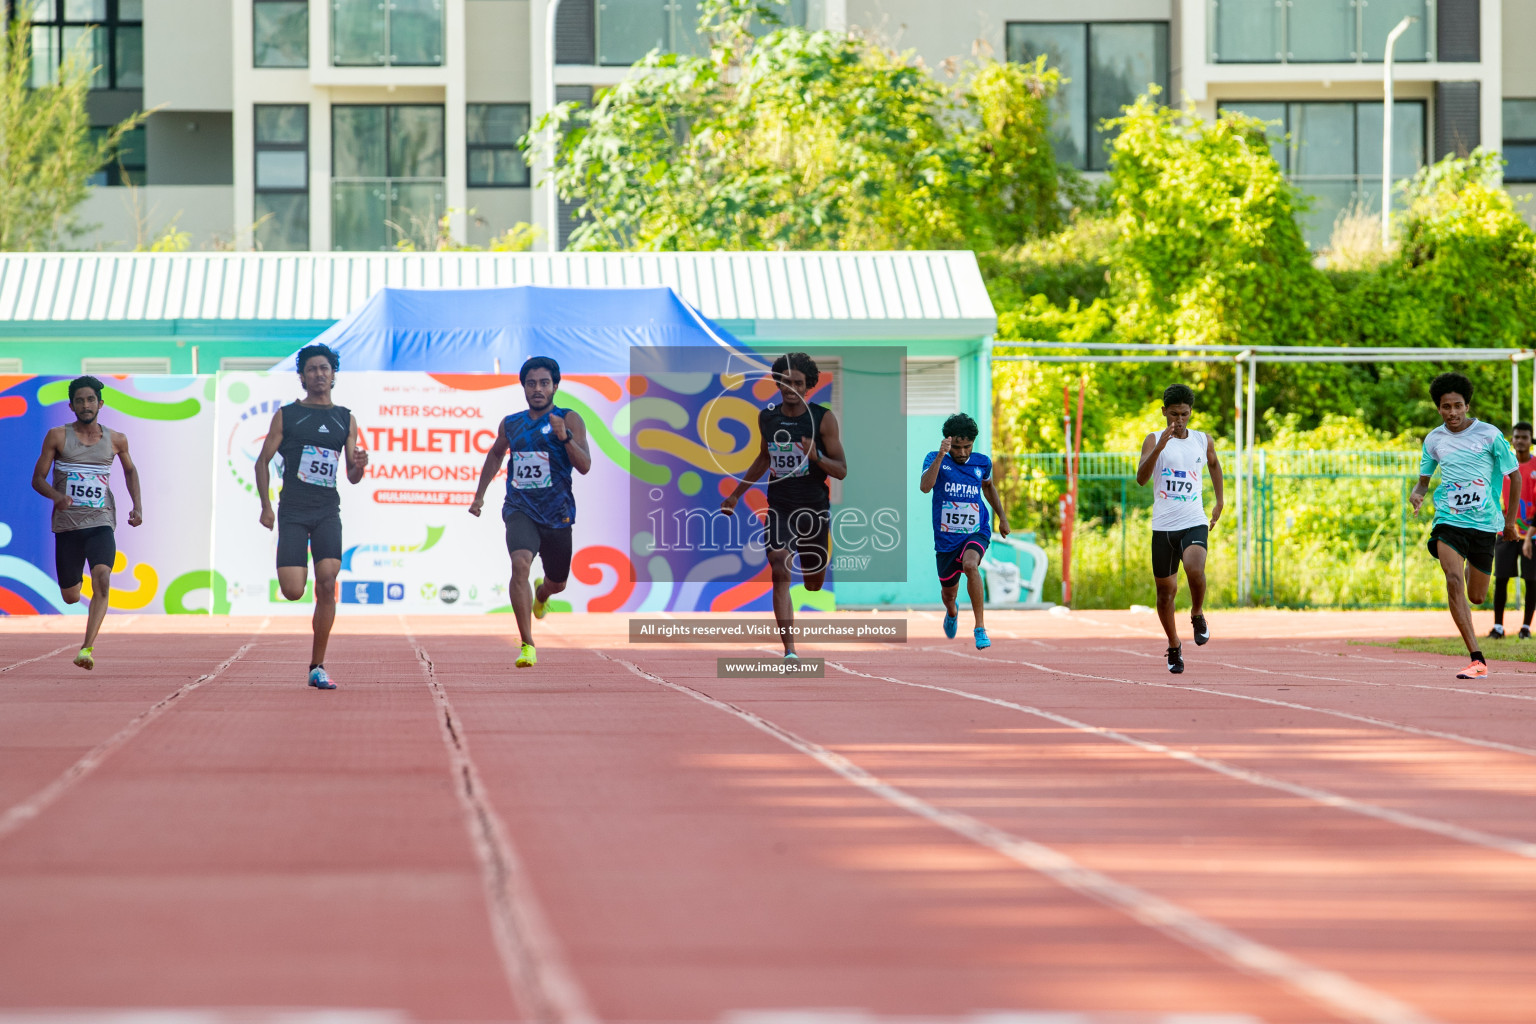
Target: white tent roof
{"x": 781, "y": 295}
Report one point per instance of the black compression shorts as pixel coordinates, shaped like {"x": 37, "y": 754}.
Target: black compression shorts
{"x": 73, "y": 549}
{"x": 806, "y": 530}
{"x": 1168, "y": 548}
{"x": 552, "y": 544}
{"x": 301, "y": 533}
{"x": 1509, "y": 560}
{"x": 952, "y": 563}
{"x": 1476, "y": 546}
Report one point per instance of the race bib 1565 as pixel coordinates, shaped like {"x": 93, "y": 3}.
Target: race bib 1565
{"x": 87, "y": 490}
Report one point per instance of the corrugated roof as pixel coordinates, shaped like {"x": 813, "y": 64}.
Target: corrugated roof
{"x": 894, "y": 295}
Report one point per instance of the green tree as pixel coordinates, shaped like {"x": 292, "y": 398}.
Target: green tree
{"x": 809, "y": 140}
{"x": 47, "y": 154}
{"x": 1208, "y": 249}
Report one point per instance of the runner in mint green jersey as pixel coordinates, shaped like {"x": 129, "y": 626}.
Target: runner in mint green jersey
{"x": 1473, "y": 458}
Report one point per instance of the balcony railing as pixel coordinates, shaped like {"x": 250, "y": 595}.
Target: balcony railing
{"x": 1318, "y": 31}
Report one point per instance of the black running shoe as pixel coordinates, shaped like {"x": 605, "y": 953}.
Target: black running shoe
{"x": 1202, "y": 631}
{"x": 1176, "y": 660}
{"x": 1496, "y": 633}
{"x": 1525, "y": 632}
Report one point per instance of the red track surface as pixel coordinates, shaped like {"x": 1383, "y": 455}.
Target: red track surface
{"x": 1295, "y": 830}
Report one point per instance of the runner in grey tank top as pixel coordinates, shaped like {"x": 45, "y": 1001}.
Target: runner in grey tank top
{"x": 75, "y": 473}
{"x": 1177, "y": 463}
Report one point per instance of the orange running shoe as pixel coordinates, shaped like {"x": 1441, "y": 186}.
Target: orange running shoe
{"x": 1476, "y": 670}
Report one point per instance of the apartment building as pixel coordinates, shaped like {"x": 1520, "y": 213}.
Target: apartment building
{"x": 348, "y": 124}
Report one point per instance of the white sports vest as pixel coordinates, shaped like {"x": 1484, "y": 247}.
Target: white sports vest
{"x": 1178, "y": 484}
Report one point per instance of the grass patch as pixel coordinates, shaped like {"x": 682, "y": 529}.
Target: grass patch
{"x": 1507, "y": 649}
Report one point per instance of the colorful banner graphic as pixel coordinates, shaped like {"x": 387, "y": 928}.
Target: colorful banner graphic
{"x": 163, "y": 565}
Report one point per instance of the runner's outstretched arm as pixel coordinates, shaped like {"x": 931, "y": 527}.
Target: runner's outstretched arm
{"x": 53, "y": 440}
{"x": 130, "y": 477}
{"x": 357, "y": 455}
{"x": 269, "y": 448}
{"x": 1151, "y": 448}
{"x": 1214, "y": 463}
{"x": 930, "y": 476}
{"x": 571, "y": 431}
{"x": 989, "y": 491}
{"x": 753, "y": 475}
{"x": 491, "y": 468}
{"x": 834, "y": 462}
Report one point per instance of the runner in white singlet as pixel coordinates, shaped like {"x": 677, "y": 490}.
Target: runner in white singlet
{"x": 1177, "y": 462}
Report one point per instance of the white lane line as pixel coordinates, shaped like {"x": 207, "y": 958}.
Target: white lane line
{"x": 34, "y": 805}
{"x": 1336, "y": 993}
{"x": 40, "y": 657}
{"x": 1367, "y": 719}
{"x": 541, "y": 982}
{"x": 1518, "y": 847}
{"x": 1335, "y": 679}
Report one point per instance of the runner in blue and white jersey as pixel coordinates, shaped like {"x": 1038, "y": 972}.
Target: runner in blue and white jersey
{"x": 960, "y": 478}
{"x": 546, "y": 443}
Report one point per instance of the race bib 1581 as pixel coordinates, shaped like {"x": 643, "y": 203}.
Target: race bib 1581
{"x": 959, "y": 517}
{"x": 530, "y": 471}
{"x": 87, "y": 490}
{"x": 786, "y": 459}
{"x": 318, "y": 466}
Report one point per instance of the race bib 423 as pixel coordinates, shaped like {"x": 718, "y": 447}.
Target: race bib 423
{"x": 530, "y": 471}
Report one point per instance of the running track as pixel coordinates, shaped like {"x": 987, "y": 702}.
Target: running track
{"x": 1296, "y": 830}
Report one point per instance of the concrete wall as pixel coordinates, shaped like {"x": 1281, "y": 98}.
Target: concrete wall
{"x": 129, "y": 217}
{"x": 188, "y": 60}
{"x": 1519, "y": 32}
{"x": 498, "y": 66}
{"x": 194, "y": 147}
{"x": 938, "y": 31}
{"x": 496, "y": 210}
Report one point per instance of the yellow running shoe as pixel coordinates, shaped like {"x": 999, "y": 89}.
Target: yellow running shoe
{"x": 527, "y": 659}
{"x": 540, "y": 608}
{"x": 86, "y": 659}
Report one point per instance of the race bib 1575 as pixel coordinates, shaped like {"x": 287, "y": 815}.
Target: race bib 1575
{"x": 959, "y": 517}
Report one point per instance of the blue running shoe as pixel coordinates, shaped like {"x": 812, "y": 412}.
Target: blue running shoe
{"x": 982, "y": 640}
{"x": 950, "y": 622}
{"x": 319, "y": 680}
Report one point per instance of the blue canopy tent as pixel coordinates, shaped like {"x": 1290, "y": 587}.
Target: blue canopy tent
{"x": 469, "y": 330}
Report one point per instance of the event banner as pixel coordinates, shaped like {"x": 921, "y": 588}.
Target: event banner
{"x": 163, "y": 565}
{"x": 648, "y": 533}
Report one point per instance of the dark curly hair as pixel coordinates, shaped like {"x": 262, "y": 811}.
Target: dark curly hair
{"x": 1450, "y": 384}
{"x": 540, "y": 363}
{"x": 1179, "y": 394}
{"x": 86, "y": 382}
{"x": 309, "y": 352}
{"x": 961, "y": 425}
{"x": 797, "y": 361}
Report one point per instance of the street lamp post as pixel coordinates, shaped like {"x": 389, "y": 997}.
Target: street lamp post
{"x": 553, "y": 198}
{"x": 1386, "y": 130}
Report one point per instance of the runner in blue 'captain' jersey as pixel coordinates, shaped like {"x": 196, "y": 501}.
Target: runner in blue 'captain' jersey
{"x": 960, "y": 479}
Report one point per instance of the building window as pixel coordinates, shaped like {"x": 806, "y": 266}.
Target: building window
{"x": 400, "y": 33}
{"x": 387, "y": 176}
{"x": 1332, "y": 151}
{"x": 629, "y": 29}
{"x": 126, "y": 165}
{"x": 114, "y": 28}
{"x": 1107, "y": 66}
{"x": 280, "y": 31}
{"x": 282, "y": 177}
{"x": 1318, "y": 31}
{"x": 493, "y": 131}
{"x": 1520, "y": 140}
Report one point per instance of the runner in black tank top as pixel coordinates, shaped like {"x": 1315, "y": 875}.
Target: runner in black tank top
{"x": 80, "y": 456}
{"x": 546, "y": 443}
{"x": 318, "y": 442}
{"x": 801, "y": 446}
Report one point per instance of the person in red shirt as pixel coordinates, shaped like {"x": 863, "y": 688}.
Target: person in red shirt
{"x": 1513, "y": 554}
